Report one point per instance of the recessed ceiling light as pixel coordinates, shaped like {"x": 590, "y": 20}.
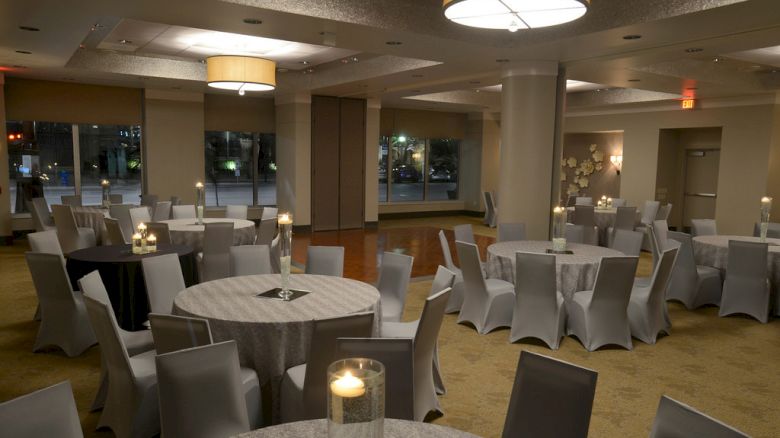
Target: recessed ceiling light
{"x": 393, "y": 43}
{"x": 305, "y": 62}
{"x": 634, "y": 80}
{"x": 354, "y": 59}
{"x": 24, "y": 52}
{"x": 29, "y": 28}
{"x": 502, "y": 60}
{"x": 202, "y": 61}
{"x": 477, "y": 90}
{"x": 253, "y": 21}
{"x": 95, "y": 27}
{"x": 124, "y": 41}
{"x": 345, "y": 61}
{"x": 694, "y": 49}
{"x": 716, "y": 59}
{"x": 82, "y": 46}
{"x": 632, "y": 37}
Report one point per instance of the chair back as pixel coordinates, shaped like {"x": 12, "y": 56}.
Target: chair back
{"x": 121, "y": 212}
{"x": 217, "y": 240}
{"x": 464, "y": 233}
{"x": 72, "y": 200}
{"x": 571, "y": 201}
{"x": 428, "y": 333}
{"x": 266, "y": 232}
{"x": 323, "y": 352}
{"x": 183, "y": 212}
{"x": 443, "y": 279}
{"x": 661, "y": 233}
{"x": 174, "y": 333}
{"x": 625, "y": 218}
{"x": 175, "y": 200}
{"x": 40, "y": 214}
{"x": 445, "y": 249}
{"x": 628, "y": 242}
{"x": 164, "y": 280}
{"x": 250, "y": 260}
{"x": 397, "y": 356}
{"x": 773, "y": 230}
{"x": 237, "y": 212}
{"x": 575, "y": 233}
{"x": 139, "y": 215}
{"x": 490, "y": 205}
{"x": 649, "y": 212}
{"x": 67, "y": 230}
{"x": 114, "y": 231}
{"x": 112, "y": 346}
{"x": 543, "y": 385}
{"x": 148, "y": 200}
{"x": 584, "y": 215}
{"x": 269, "y": 213}
{"x": 619, "y": 202}
{"x": 45, "y": 242}
{"x": 704, "y": 227}
{"x": 664, "y": 212}
{"x": 325, "y": 260}
{"x": 612, "y": 290}
{"x": 535, "y": 284}
{"x": 394, "y": 275}
{"x": 91, "y": 285}
{"x": 684, "y": 275}
{"x": 583, "y": 200}
{"x": 47, "y": 412}
{"x": 659, "y": 282}
{"x": 747, "y": 265}
{"x": 475, "y": 289}
{"x": 162, "y": 211}
{"x": 186, "y": 409}
{"x": 115, "y": 198}
{"x": 675, "y": 419}
{"x": 511, "y": 231}
{"x": 160, "y": 231}
{"x": 51, "y": 282}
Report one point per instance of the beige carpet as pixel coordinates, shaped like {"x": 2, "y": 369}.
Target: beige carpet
{"x": 727, "y": 367}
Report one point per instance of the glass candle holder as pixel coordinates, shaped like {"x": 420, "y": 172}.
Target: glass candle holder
{"x": 142, "y": 230}
{"x": 200, "y": 201}
{"x": 559, "y": 229}
{"x": 766, "y": 209}
{"x": 356, "y": 398}
{"x": 151, "y": 243}
{"x": 609, "y": 202}
{"x": 106, "y": 188}
{"x": 137, "y": 246}
{"x": 285, "y": 252}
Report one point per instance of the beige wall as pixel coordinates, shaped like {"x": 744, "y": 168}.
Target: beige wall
{"x": 173, "y": 143}
{"x": 372, "y": 153}
{"x": 5, "y": 192}
{"x": 743, "y": 172}
{"x": 605, "y": 182}
{"x": 227, "y": 112}
{"x": 773, "y": 181}
{"x": 421, "y": 123}
{"x": 293, "y": 152}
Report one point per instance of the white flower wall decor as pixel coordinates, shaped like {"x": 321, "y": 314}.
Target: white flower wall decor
{"x": 582, "y": 170}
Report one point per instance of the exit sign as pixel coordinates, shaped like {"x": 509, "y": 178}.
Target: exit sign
{"x": 688, "y": 104}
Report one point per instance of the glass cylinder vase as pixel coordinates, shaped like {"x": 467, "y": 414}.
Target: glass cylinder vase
{"x": 285, "y": 253}
{"x": 559, "y": 229}
{"x": 200, "y": 201}
{"x": 766, "y": 209}
{"x": 106, "y": 186}
{"x": 356, "y": 398}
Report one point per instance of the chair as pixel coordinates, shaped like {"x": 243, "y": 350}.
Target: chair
{"x": 773, "y": 230}
{"x": 746, "y": 288}
{"x": 121, "y": 212}
{"x": 45, "y": 242}
{"x": 131, "y": 406}
{"x": 585, "y": 215}
{"x": 71, "y": 236}
{"x": 571, "y": 200}
{"x": 544, "y": 385}
{"x": 250, "y": 260}
{"x": 600, "y": 317}
{"x": 41, "y": 216}
{"x": 148, "y": 200}
{"x": 664, "y": 212}
{"x": 325, "y": 260}
{"x": 160, "y": 231}
{"x": 47, "y": 412}
{"x": 275, "y": 255}
{"x": 487, "y": 303}
{"x": 574, "y": 233}
{"x": 538, "y": 310}
{"x": 214, "y": 261}
{"x": 692, "y": 285}
{"x": 511, "y": 231}
{"x": 114, "y": 231}
{"x": 64, "y": 321}
{"x": 183, "y": 212}
{"x": 464, "y": 233}
{"x": 135, "y": 343}
{"x": 674, "y": 419}
{"x": 269, "y": 213}
{"x": 138, "y": 216}
{"x": 303, "y": 387}
{"x": 266, "y": 232}
{"x": 443, "y": 280}
{"x": 491, "y": 215}
{"x": 628, "y": 242}
{"x": 115, "y": 198}
{"x": 619, "y": 202}
{"x": 397, "y": 356}
{"x": 175, "y": 200}
{"x": 174, "y": 333}
{"x": 394, "y": 275}
{"x": 164, "y": 280}
{"x": 649, "y": 212}
{"x": 647, "y": 305}
{"x": 162, "y": 211}
{"x": 456, "y": 296}
{"x": 625, "y": 219}
{"x": 236, "y": 212}
{"x": 704, "y": 227}
{"x": 186, "y": 410}
{"x": 583, "y": 200}
{"x": 71, "y": 200}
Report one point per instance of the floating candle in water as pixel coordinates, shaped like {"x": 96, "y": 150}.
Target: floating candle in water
{"x": 348, "y": 386}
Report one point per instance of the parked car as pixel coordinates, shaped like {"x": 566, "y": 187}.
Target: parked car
{"x": 404, "y": 173}
{"x": 440, "y": 175}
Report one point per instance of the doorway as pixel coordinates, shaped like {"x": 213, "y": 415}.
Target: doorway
{"x": 701, "y": 184}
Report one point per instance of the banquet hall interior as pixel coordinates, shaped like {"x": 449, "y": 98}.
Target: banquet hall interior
{"x": 390, "y": 218}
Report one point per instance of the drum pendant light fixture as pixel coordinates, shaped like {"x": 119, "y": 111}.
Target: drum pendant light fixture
{"x": 240, "y": 73}
{"x": 514, "y": 15}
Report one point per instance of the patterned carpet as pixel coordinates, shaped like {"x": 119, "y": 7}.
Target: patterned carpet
{"x": 727, "y": 367}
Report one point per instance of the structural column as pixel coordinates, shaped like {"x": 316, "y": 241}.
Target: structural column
{"x": 373, "y": 107}
{"x": 5, "y": 190}
{"x": 293, "y": 152}
{"x": 528, "y": 130}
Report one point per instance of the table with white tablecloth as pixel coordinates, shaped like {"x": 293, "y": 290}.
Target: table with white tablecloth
{"x": 575, "y": 271}
{"x": 392, "y": 429}
{"x": 188, "y": 232}
{"x": 603, "y": 217}
{"x": 274, "y": 335}
{"x": 92, "y": 217}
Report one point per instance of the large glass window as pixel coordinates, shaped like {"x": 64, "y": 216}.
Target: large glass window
{"x": 240, "y": 168}
{"x": 111, "y": 152}
{"x": 418, "y": 169}
{"x": 40, "y": 156}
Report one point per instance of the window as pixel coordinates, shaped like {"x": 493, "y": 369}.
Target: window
{"x": 40, "y": 156}
{"x": 417, "y": 169}
{"x": 240, "y": 168}
{"x": 111, "y": 152}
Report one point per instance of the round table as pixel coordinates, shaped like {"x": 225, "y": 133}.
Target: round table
{"x": 604, "y": 218}
{"x": 714, "y": 251}
{"x": 188, "y": 232}
{"x": 393, "y": 429}
{"x": 123, "y": 276}
{"x": 274, "y": 335}
{"x": 576, "y": 271}
{"x": 92, "y": 217}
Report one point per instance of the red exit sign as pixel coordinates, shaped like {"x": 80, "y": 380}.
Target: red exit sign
{"x": 688, "y": 104}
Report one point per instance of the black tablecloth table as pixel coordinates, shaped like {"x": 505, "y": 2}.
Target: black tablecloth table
{"x": 123, "y": 276}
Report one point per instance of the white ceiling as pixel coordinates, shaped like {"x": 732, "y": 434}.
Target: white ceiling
{"x": 572, "y": 86}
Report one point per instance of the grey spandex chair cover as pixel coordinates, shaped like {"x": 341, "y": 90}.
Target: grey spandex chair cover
{"x": 746, "y": 288}
{"x": 692, "y": 285}
{"x": 647, "y": 307}
{"x": 47, "y": 412}
{"x": 325, "y": 260}
{"x": 393, "y": 283}
{"x": 511, "y": 231}
{"x": 164, "y": 280}
{"x": 677, "y": 420}
{"x": 539, "y": 311}
{"x": 487, "y": 303}
{"x": 250, "y": 260}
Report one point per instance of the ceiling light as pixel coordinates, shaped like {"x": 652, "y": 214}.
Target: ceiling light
{"x": 241, "y": 73}
{"x": 24, "y": 52}
{"x": 632, "y": 37}
{"x": 513, "y": 15}
{"x": 354, "y": 59}
{"x": 123, "y": 41}
{"x": 393, "y": 43}
{"x": 253, "y": 21}
{"x": 716, "y": 59}
{"x": 29, "y": 28}
{"x": 305, "y": 62}
{"x": 694, "y": 49}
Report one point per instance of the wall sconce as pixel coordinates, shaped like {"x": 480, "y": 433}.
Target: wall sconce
{"x": 617, "y": 161}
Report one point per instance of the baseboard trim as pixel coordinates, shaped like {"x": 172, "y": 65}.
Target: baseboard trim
{"x": 423, "y": 214}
